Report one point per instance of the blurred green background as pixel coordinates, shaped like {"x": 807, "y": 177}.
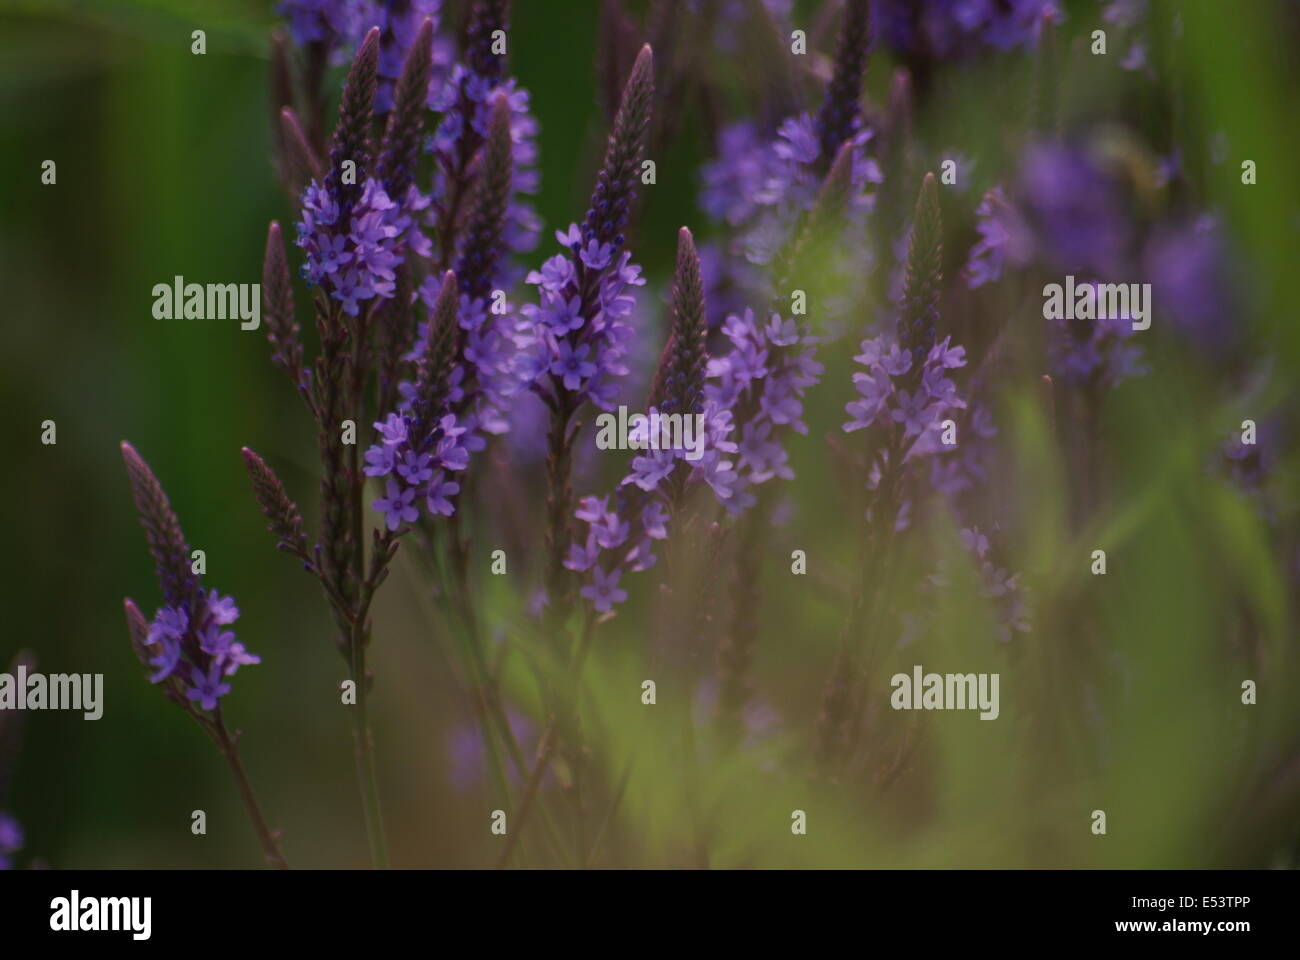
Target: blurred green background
{"x": 164, "y": 168}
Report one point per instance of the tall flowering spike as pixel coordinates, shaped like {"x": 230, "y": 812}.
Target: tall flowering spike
{"x": 352, "y": 133}
{"x": 679, "y": 380}
{"x": 401, "y": 146}
{"x": 285, "y": 520}
{"x": 162, "y": 531}
{"x": 486, "y": 17}
{"x": 810, "y": 243}
{"x": 483, "y": 231}
{"x": 919, "y": 318}
{"x": 439, "y": 351}
{"x": 300, "y": 160}
{"x": 615, "y": 184}
{"x": 839, "y": 114}
{"x": 277, "y": 305}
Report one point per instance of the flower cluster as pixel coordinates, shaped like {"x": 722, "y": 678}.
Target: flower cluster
{"x": 621, "y": 538}
{"x": 967, "y": 467}
{"x": 903, "y": 398}
{"x": 1094, "y": 351}
{"x": 357, "y": 256}
{"x": 418, "y": 467}
{"x": 1005, "y": 240}
{"x": 331, "y": 23}
{"x": 466, "y": 99}
{"x": 194, "y": 645}
{"x": 579, "y": 355}
{"x": 998, "y": 585}
{"x": 761, "y": 188}
{"x": 761, "y": 380}
{"x": 943, "y": 29}
{"x": 399, "y": 22}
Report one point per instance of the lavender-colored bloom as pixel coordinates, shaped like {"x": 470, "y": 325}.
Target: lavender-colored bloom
{"x": 399, "y": 23}
{"x": 949, "y": 29}
{"x": 207, "y": 687}
{"x": 222, "y": 609}
{"x": 604, "y": 591}
{"x": 467, "y": 752}
{"x": 561, "y": 348}
{"x": 762, "y": 189}
{"x": 1192, "y": 273}
{"x": 334, "y": 24}
{"x": 357, "y": 261}
{"x": 439, "y": 493}
{"x": 998, "y": 585}
{"x": 398, "y": 506}
{"x": 1078, "y": 212}
{"x": 761, "y": 383}
{"x": 203, "y": 643}
{"x": 915, "y": 401}
{"x": 1098, "y": 351}
{"x": 1004, "y": 239}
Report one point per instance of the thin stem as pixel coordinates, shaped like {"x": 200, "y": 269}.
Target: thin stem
{"x": 547, "y": 748}
{"x": 545, "y": 752}
{"x": 229, "y": 747}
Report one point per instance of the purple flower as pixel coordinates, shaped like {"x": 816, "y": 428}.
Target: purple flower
{"x": 415, "y": 468}
{"x": 214, "y": 641}
{"x": 763, "y": 189}
{"x": 440, "y": 492}
{"x": 332, "y": 23}
{"x": 571, "y": 365}
{"x": 207, "y": 687}
{"x": 169, "y": 623}
{"x": 222, "y": 609}
{"x": 380, "y": 460}
{"x": 397, "y": 507}
{"x": 950, "y": 29}
{"x": 604, "y": 590}
{"x": 1004, "y": 238}
{"x": 237, "y": 655}
{"x": 357, "y": 260}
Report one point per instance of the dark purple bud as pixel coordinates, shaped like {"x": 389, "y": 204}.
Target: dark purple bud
{"x": 839, "y": 115}
{"x": 285, "y": 520}
{"x": 401, "y": 146}
{"x": 679, "y": 379}
{"x": 483, "y": 230}
{"x": 918, "y": 318}
{"x": 162, "y": 531}
{"x": 615, "y": 182}
{"x": 352, "y": 132}
{"x": 278, "y": 307}
{"x": 486, "y": 17}
{"x": 439, "y": 353}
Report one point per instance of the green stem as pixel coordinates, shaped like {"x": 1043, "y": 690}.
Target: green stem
{"x": 229, "y": 747}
